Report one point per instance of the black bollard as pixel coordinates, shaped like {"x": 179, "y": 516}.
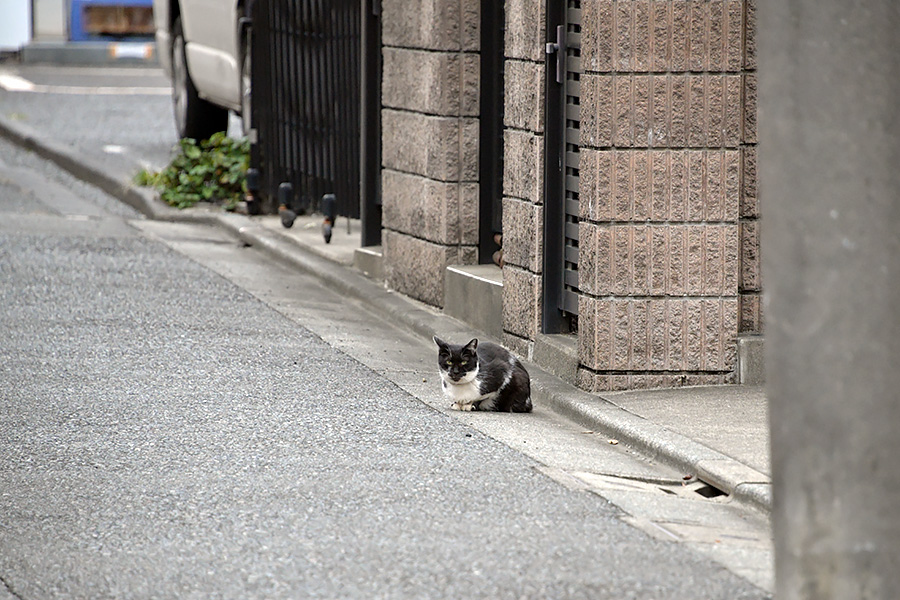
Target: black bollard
{"x": 252, "y": 198}
{"x": 285, "y": 198}
{"x": 329, "y": 210}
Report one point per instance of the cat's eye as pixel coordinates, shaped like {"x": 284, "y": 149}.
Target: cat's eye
{"x": 462, "y": 362}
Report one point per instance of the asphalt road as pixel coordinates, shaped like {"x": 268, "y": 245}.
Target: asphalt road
{"x": 169, "y": 428}
{"x": 120, "y": 116}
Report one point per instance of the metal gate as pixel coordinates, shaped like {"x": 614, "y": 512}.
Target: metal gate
{"x": 563, "y": 122}
{"x": 306, "y": 100}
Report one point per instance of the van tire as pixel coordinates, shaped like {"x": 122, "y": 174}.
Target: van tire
{"x": 194, "y": 117}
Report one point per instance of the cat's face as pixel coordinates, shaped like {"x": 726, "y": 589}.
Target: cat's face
{"x": 458, "y": 364}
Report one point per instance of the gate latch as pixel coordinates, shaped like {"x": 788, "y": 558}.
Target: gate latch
{"x": 559, "y": 47}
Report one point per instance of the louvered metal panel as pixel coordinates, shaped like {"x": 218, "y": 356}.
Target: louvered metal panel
{"x": 572, "y": 140}
{"x": 562, "y": 140}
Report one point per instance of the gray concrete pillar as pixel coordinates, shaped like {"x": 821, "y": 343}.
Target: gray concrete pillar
{"x": 829, "y": 120}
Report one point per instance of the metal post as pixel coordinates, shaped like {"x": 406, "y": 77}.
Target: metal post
{"x": 829, "y": 150}
{"x": 370, "y": 123}
{"x": 554, "y": 134}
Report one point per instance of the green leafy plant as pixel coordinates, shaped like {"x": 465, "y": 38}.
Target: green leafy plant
{"x": 212, "y": 171}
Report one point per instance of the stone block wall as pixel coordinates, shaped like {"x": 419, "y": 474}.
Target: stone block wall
{"x": 523, "y": 180}
{"x": 751, "y": 313}
{"x": 430, "y": 96}
{"x": 669, "y": 260}
{"x": 669, "y": 243}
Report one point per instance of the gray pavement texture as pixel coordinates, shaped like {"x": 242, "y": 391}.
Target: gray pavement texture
{"x": 166, "y": 434}
{"x": 120, "y": 132}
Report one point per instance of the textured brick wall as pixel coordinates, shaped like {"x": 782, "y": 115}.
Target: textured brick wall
{"x": 523, "y": 164}
{"x": 751, "y": 316}
{"x": 669, "y": 248}
{"x": 430, "y": 96}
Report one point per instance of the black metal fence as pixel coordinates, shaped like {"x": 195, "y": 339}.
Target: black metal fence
{"x": 306, "y": 100}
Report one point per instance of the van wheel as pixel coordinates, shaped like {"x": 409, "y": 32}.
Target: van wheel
{"x": 194, "y": 117}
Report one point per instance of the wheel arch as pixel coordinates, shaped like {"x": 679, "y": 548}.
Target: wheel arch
{"x": 174, "y": 12}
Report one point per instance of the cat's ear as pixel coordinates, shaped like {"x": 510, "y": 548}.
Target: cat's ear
{"x": 440, "y": 343}
{"x": 472, "y": 345}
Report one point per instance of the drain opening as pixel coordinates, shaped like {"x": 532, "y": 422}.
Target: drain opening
{"x": 709, "y": 491}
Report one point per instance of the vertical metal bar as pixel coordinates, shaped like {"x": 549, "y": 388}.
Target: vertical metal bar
{"x": 330, "y": 52}
{"x": 325, "y": 123}
{"x": 334, "y": 56}
{"x": 269, "y": 137}
{"x": 277, "y": 144}
{"x": 281, "y": 76}
{"x": 301, "y": 83}
{"x": 347, "y": 75}
{"x": 293, "y": 157}
{"x": 306, "y": 122}
{"x": 553, "y": 320}
{"x": 265, "y": 108}
{"x": 336, "y": 78}
{"x": 370, "y": 123}
{"x": 351, "y": 102}
{"x": 285, "y": 98}
{"x": 354, "y": 103}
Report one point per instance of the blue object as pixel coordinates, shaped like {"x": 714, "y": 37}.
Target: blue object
{"x": 77, "y": 32}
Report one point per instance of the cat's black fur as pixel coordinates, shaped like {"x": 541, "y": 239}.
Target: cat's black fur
{"x": 483, "y": 376}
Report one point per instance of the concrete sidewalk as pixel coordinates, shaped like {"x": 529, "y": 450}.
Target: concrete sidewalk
{"x": 716, "y": 434}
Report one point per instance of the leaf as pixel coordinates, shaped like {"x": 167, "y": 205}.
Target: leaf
{"x": 193, "y": 152}
{"x": 213, "y": 170}
{"x": 217, "y": 138}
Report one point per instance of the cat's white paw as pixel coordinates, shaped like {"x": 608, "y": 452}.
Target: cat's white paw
{"x": 461, "y": 406}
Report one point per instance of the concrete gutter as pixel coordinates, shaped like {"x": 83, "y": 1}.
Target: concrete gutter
{"x": 680, "y": 452}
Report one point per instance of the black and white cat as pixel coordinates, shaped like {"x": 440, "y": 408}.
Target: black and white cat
{"x": 483, "y": 376}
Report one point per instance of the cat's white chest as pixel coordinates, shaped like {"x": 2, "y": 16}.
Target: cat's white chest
{"x": 462, "y": 393}
{"x": 465, "y": 394}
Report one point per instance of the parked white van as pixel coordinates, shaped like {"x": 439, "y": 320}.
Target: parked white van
{"x": 204, "y": 47}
